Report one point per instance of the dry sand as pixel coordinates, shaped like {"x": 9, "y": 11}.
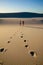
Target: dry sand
{"x": 23, "y": 45}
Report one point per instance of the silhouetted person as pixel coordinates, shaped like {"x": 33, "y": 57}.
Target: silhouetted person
{"x": 20, "y": 22}
{"x": 23, "y": 23}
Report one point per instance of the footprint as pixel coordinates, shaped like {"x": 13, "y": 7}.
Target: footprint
{"x": 21, "y": 36}
{"x": 24, "y": 40}
{"x": 10, "y": 37}
{"x": 8, "y": 41}
{"x": 34, "y": 54}
{"x": 1, "y": 63}
{"x": 26, "y": 45}
{"x": 2, "y": 49}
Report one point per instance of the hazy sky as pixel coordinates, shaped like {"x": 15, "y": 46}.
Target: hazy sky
{"x": 21, "y": 6}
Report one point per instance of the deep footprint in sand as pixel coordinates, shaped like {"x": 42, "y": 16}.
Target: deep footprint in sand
{"x": 24, "y": 40}
{"x": 2, "y": 49}
{"x": 26, "y": 45}
{"x": 33, "y": 54}
{"x": 8, "y": 41}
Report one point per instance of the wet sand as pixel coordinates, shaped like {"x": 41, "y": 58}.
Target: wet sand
{"x": 23, "y": 45}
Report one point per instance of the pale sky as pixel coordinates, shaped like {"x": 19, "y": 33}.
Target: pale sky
{"x": 8, "y": 6}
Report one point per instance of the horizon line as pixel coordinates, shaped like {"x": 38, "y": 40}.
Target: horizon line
{"x": 22, "y": 12}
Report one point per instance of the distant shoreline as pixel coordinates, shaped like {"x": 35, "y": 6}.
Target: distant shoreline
{"x": 21, "y": 15}
{"x": 17, "y": 20}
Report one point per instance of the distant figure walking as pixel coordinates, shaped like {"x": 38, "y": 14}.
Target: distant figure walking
{"x": 23, "y": 23}
{"x": 20, "y": 22}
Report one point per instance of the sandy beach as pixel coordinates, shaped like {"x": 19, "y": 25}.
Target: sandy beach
{"x": 20, "y": 42}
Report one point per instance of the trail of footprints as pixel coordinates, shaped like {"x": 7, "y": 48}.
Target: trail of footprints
{"x": 32, "y": 53}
